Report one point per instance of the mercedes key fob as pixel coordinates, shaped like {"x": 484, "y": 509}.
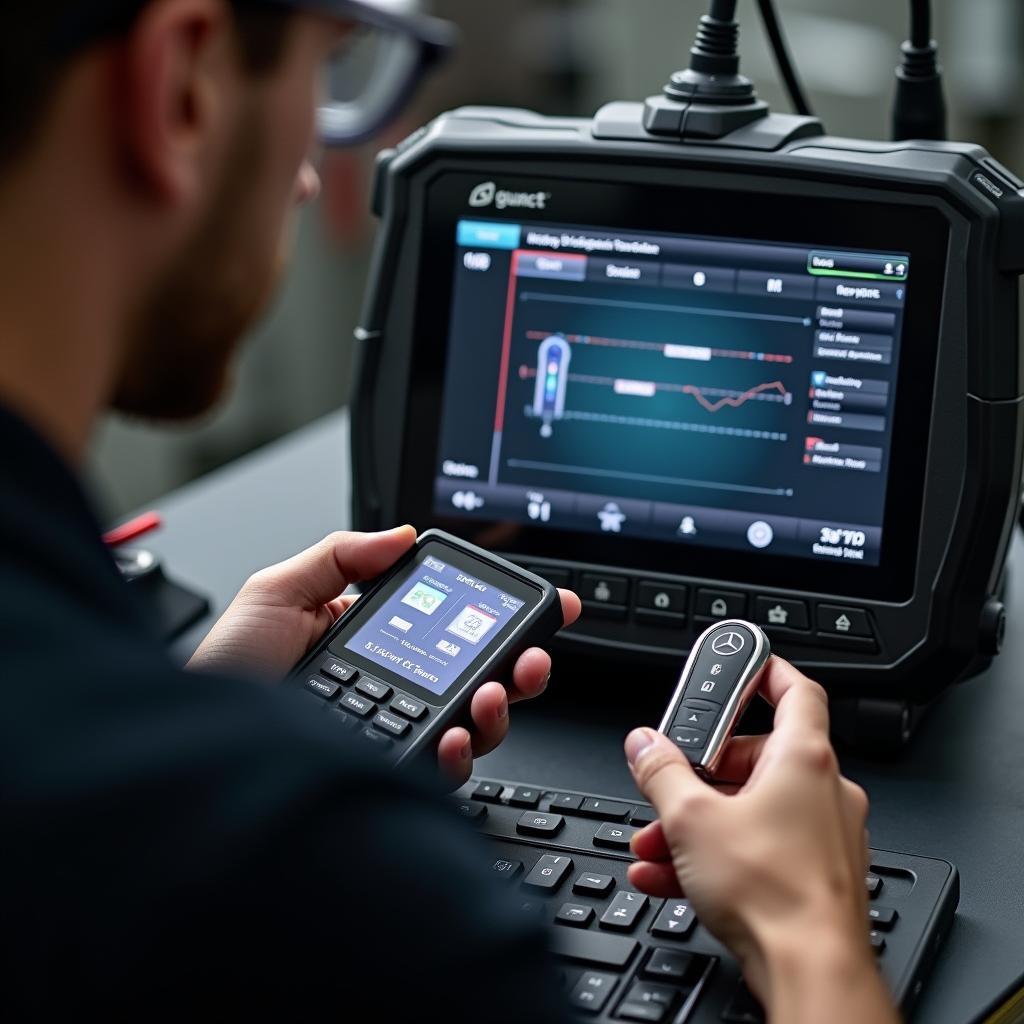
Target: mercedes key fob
{"x": 716, "y": 685}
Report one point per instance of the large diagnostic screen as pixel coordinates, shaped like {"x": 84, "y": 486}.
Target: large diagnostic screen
{"x": 706, "y": 391}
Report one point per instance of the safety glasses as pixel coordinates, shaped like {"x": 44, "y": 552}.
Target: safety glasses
{"x": 389, "y": 48}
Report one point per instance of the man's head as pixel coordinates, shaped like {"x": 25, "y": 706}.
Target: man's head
{"x": 162, "y": 144}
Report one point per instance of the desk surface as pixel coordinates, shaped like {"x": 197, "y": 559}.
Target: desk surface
{"x": 958, "y": 794}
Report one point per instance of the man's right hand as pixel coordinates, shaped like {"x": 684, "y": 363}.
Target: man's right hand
{"x": 776, "y": 868}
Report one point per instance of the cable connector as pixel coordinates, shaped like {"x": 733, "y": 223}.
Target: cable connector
{"x": 919, "y": 107}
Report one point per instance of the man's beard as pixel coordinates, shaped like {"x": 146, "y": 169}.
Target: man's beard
{"x": 180, "y": 354}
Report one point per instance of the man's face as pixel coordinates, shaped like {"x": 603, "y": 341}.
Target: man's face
{"x": 181, "y": 351}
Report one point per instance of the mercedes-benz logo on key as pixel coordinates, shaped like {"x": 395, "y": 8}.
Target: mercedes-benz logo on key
{"x": 728, "y": 643}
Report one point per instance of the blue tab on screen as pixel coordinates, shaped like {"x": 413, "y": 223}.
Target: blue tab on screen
{"x": 484, "y": 234}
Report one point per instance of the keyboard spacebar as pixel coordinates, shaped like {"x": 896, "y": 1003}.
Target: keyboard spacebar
{"x": 593, "y": 947}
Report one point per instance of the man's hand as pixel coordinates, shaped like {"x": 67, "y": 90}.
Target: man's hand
{"x": 776, "y": 868}
{"x": 283, "y": 610}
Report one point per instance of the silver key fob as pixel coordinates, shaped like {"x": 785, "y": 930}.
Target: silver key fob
{"x": 720, "y": 677}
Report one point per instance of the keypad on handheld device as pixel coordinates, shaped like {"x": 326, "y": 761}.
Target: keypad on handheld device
{"x": 355, "y": 699}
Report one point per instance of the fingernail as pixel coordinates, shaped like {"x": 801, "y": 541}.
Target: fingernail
{"x": 638, "y": 742}
{"x": 466, "y": 750}
{"x": 503, "y": 709}
{"x": 544, "y": 685}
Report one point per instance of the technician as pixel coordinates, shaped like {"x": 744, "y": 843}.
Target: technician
{"x": 184, "y": 842}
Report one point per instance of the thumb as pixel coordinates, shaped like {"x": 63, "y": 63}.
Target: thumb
{"x": 661, "y": 772}
{"x": 320, "y": 573}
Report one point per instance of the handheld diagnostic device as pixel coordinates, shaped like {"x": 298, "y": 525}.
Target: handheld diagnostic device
{"x": 719, "y": 679}
{"x": 403, "y": 662}
{"x": 699, "y": 361}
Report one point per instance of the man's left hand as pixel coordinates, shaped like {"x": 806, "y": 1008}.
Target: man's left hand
{"x": 282, "y": 611}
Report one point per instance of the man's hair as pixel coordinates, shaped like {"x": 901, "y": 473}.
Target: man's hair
{"x": 40, "y": 39}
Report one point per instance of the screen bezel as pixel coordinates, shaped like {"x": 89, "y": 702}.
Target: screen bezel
{"x": 368, "y": 605}
{"x": 758, "y": 215}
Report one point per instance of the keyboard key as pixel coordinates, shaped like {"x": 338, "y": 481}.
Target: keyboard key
{"x": 390, "y": 724}
{"x": 743, "y": 1008}
{"x": 606, "y": 810}
{"x": 537, "y": 823}
{"x": 873, "y": 884}
{"x": 882, "y": 918}
{"x": 489, "y": 791}
{"x": 877, "y": 940}
{"x": 592, "y": 991}
{"x": 575, "y": 914}
{"x": 568, "y": 802}
{"x": 413, "y": 709}
{"x": 616, "y": 837}
{"x": 357, "y": 705}
{"x": 373, "y": 688}
{"x": 506, "y": 870}
{"x": 321, "y": 688}
{"x": 593, "y": 947}
{"x": 648, "y": 992}
{"x": 339, "y": 670}
{"x": 672, "y": 964}
{"x": 524, "y": 797}
{"x": 474, "y": 812}
{"x": 643, "y": 816}
{"x": 675, "y": 921}
{"x": 642, "y": 1011}
{"x": 624, "y": 910}
{"x": 549, "y": 872}
{"x": 593, "y": 885}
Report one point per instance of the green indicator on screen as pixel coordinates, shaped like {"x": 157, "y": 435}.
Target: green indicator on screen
{"x": 823, "y": 263}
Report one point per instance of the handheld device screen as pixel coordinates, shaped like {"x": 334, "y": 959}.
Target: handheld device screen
{"x": 439, "y": 618}
{"x": 704, "y": 391}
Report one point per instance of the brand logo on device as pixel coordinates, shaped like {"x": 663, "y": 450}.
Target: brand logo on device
{"x": 487, "y": 193}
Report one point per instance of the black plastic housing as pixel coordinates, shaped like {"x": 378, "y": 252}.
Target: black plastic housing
{"x": 542, "y": 620}
{"x": 975, "y": 438}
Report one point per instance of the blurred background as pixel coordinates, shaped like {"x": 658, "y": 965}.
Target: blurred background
{"x": 564, "y": 57}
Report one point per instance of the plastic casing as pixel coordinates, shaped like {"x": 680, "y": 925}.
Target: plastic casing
{"x": 536, "y": 629}
{"x": 972, "y": 484}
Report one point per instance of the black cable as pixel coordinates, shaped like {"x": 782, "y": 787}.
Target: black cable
{"x": 773, "y": 30}
{"x": 723, "y": 10}
{"x": 920, "y": 23}
{"x": 919, "y": 107}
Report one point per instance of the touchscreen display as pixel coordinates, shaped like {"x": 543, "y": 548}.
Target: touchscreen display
{"x": 706, "y": 391}
{"x": 434, "y": 623}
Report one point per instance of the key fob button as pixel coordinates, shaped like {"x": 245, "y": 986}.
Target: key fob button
{"x": 695, "y": 718}
{"x": 688, "y": 739}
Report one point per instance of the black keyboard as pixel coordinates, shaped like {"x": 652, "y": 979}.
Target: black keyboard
{"x": 627, "y": 957}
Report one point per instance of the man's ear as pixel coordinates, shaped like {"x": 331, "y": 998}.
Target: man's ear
{"x": 178, "y": 65}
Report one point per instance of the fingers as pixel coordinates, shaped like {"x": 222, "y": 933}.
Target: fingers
{"x": 317, "y": 575}
{"x": 663, "y": 775}
{"x": 571, "y": 606}
{"x": 489, "y": 710}
{"x": 530, "y": 675}
{"x": 799, "y": 702}
{"x": 340, "y": 605}
{"x": 455, "y": 756}
{"x": 649, "y": 843}
{"x": 655, "y": 879}
{"x": 739, "y": 758}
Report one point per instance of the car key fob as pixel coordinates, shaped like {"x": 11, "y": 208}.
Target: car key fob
{"x": 720, "y": 677}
